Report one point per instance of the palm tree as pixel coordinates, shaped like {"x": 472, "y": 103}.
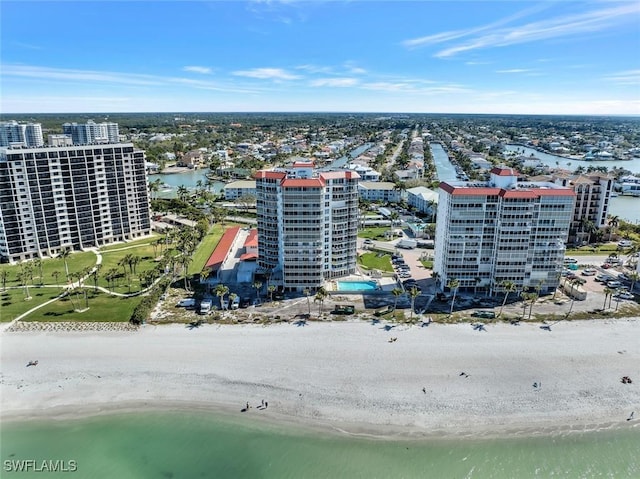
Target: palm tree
{"x": 453, "y": 284}
{"x": 123, "y": 263}
{"x": 37, "y": 263}
{"x": 307, "y": 292}
{"x": 24, "y": 279}
{"x": 396, "y": 292}
{"x": 393, "y": 217}
{"x": 257, "y": 285}
{"x": 135, "y": 261}
{"x": 613, "y": 221}
{"x": 321, "y": 295}
{"x": 557, "y": 276}
{"x": 413, "y": 294}
{"x": 507, "y": 287}
{"x": 3, "y": 277}
{"x": 64, "y": 254}
{"x": 221, "y": 290}
{"x": 608, "y": 292}
{"x": 271, "y": 288}
{"x": 154, "y": 187}
{"x": 574, "y": 282}
{"x": 436, "y": 278}
{"x": 232, "y": 297}
{"x": 182, "y": 193}
{"x": 633, "y": 277}
{"x": 55, "y": 275}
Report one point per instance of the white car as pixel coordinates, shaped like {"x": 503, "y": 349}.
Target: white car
{"x": 589, "y": 272}
{"x": 570, "y": 261}
{"x": 625, "y": 295}
{"x": 625, "y": 243}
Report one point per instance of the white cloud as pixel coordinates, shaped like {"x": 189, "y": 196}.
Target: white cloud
{"x": 334, "y": 82}
{"x": 111, "y": 78}
{"x": 515, "y": 70}
{"x": 197, "y": 69}
{"x": 566, "y": 26}
{"x": 267, "y": 74}
{"x": 629, "y": 77}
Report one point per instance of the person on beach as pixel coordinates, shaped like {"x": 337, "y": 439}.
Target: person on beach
{"x": 424, "y": 390}
{"x": 266, "y": 405}
{"x": 631, "y": 416}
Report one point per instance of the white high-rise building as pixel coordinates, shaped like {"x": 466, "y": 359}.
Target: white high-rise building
{"x": 53, "y": 198}
{"x": 307, "y": 225}
{"x": 13, "y": 133}
{"x": 91, "y": 132}
{"x": 502, "y": 230}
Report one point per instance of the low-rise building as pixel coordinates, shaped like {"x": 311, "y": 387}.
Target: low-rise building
{"x": 384, "y": 191}
{"x": 423, "y": 199}
{"x": 237, "y": 189}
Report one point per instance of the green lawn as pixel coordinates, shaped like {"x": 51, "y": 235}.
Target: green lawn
{"x": 13, "y": 304}
{"x": 111, "y": 258}
{"x": 102, "y": 307}
{"x": 379, "y": 261}
{"x": 373, "y": 232}
{"x": 77, "y": 262}
{"x": 206, "y": 247}
{"x": 129, "y": 244}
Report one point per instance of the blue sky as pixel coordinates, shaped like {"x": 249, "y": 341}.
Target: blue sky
{"x": 564, "y": 57}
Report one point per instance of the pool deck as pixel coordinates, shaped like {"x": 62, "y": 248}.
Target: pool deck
{"x": 385, "y": 284}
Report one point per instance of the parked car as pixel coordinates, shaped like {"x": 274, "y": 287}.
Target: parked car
{"x": 614, "y": 284}
{"x": 245, "y": 302}
{"x": 205, "y": 306}
{"x": 570, "y": 260}
{"x": 186, "y": 303}
{"x": 589, "y": 272}
{"x": 484, "y": 314}
{"x": 603, "y": 277}
{"x": 606, "y": 266}
{"x": 368, "y": 241}
{"x": 625, "y": 243}
{"x": 624, "y": 277}
{"x": 624, "y": 295}
{"x": 404, "y": 275}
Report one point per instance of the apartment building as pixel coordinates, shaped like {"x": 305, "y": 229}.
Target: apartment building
{"x": 20, "y": 134}
{"x": 92, "y": 132}
{"x": 384, "y": 191}
{"x": 237, "y": 189}
{"x": 593, "y": 193}
{"x": 75, "y": 197}
{"x": 502, "y": 230}
{"x": 423, "y": 199}
{"x": 307, "y": 225}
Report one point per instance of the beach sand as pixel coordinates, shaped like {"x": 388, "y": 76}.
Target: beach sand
{"x": 345, "y": 376}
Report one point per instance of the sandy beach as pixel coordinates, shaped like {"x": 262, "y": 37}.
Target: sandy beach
{"x": 344, "y": 376}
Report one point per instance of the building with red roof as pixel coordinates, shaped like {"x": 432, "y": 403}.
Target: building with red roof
{"x": 307, "y": 224}
{"x": 502, "y": 230}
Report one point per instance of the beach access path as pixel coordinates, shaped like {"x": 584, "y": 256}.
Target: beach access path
{"x": 346, "y": 376}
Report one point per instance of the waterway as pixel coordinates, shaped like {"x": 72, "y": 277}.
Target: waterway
{"x": 444, "y": 168}
{"x": 188, "y": 179}
{"x": 625, "y": 207}
{"x": 571, "y": 163}
{"x": 343, "y": 160}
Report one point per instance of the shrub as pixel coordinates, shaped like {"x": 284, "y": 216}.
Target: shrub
{"x": 143, "y": 310}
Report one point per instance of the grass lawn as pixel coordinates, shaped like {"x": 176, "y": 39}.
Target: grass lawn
{"x": 102, "y": 307}
{"x": 77, "y": 262}
{"x": 13, "y": 304}
{"x": 206, "y": 247}
{"x": 374, "y": 232}
{"x": 379, "y": 261}
{"x": 427, "y": 263}
{"x": 110, "y": 260}
{"x": 129, "y": 244}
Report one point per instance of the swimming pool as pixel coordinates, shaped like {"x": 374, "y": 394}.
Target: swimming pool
{"x": 357, "y": 285}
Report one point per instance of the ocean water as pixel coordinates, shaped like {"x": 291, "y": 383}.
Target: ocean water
{"x": 207, "y": 445}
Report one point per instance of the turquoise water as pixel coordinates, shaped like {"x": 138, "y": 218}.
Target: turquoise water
{"x": 357, "y": 285}
{"x": 194, "y": 445}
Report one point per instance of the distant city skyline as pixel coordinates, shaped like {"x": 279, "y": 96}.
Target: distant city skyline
{"x": 321, "y": 56}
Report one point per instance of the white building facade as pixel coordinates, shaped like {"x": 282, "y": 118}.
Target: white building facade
{"x": 52, "y": 198}
{"x": 20, "y": 134}
{"x": 307, "y": 225}
{"x": 90, "y": 132}
{"x": 502, "y": 230}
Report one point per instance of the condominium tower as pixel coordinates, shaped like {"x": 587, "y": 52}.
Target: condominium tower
{"x": 20, "y": 134}
{"x": 307, "y": 225}
{"x": 91, "y": 132}
{"x": 52, "y": 198}
{"x": 502, "y": 230}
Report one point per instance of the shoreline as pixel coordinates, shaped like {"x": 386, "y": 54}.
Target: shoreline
{"x": 304, "y": 426}
{"x": 341, "y": 378}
